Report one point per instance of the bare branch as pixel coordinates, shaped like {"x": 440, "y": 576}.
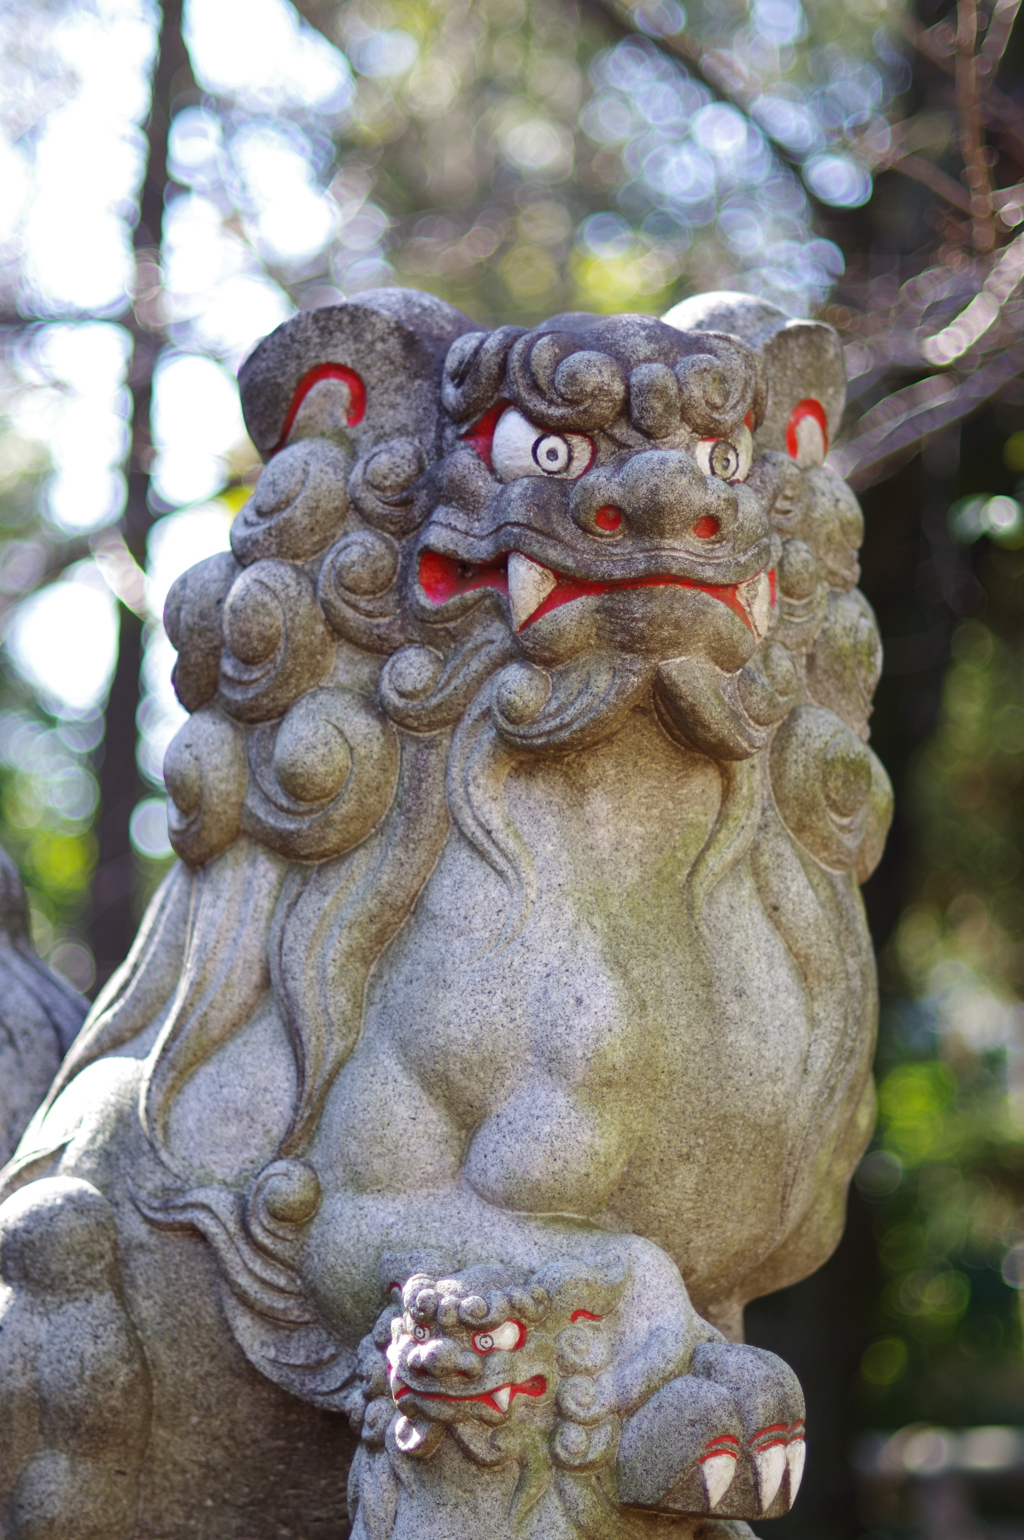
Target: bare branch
{"x": 998, "y": 109}
{"x": 1004, "y": 14}
{"x": 939, "y": 181}
{"x": 972, "y": 147}
{"x": 899, "y": 426}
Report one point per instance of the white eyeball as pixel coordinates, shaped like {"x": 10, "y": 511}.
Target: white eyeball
{"x": 727, "y": 458}
{"x": 420, "y": 1333}
{"x": 508, "y": 1336}
{"x": 520, "y": 448}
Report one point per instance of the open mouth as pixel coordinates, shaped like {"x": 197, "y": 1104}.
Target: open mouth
{"x": 533, "y": 591}
{"x": 499, "y": 1399}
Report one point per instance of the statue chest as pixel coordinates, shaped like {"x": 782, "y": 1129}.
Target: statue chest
{"x": 596, "y": 1034}
{"x": 486, "y": 991}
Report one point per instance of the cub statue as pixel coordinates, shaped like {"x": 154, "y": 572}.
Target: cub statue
{"x": 507, "y": 1022}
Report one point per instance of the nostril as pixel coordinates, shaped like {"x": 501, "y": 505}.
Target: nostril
{"x": 706, "y": 527}
{"x": 608, "y": 518}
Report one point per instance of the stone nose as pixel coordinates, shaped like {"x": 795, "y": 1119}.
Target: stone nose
{"x": 662, "y": 494}
{"x": 441, "y": 1357}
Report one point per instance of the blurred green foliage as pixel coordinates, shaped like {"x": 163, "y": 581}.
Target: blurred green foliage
{"x": 48, "y": 788}
{"x": 947, "y": 1174}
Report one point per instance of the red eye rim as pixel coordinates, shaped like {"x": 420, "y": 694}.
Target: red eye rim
{"x": 480, "y": 436}
{"x": 357, "y": 396}
{"x": 493, "y": 1348}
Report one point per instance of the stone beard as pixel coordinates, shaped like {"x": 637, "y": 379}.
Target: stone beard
{"x": 507, "y": 1023}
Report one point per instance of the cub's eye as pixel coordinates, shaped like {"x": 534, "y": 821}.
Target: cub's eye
{"x": 508, "y": 1336}
{"x": 520, "y": 448}
{"x": 728, "y": 458}
{"x": 420, "y": 1333}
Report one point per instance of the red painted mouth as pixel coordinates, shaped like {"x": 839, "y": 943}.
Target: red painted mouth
{"x": 537, "y": 1386}
{"x": 445, "y": 577}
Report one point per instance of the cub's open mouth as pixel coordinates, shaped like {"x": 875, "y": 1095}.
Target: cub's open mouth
{"x": 498, "y": 1399}
{"x": 533, "y": 591}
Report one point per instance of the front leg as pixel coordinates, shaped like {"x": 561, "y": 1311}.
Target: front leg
{"x": 74, "y": 1384}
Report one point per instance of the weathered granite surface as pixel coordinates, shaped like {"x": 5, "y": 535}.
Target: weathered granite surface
{"x": 507, "y": 1024}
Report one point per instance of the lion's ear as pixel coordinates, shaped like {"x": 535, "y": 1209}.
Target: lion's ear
{"x": 366, "y": 370}
{"x": 806, "y": 378}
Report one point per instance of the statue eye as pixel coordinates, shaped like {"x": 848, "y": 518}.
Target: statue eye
{"x": 727, "y": 458}
{"x": 508, "y": 1336}
{"x": 552, "y": 453}
{"x": 521, "y": 448}
{"x": 420, "y": 1333}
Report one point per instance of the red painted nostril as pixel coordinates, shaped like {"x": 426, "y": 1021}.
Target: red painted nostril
{"x": 608, "y": 518}
{"x": 706, "y": 527}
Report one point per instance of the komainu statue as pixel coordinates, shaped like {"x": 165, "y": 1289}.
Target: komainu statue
{"x": 507, "y": 1023}
{"x": 40, "y": 1015}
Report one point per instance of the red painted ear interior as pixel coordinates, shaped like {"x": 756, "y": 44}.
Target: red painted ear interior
{"x": 356, "y": 396}
{"x": 808, "y": 410}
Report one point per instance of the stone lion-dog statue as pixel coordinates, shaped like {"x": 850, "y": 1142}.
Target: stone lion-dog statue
{"x": 506, "y": 1024}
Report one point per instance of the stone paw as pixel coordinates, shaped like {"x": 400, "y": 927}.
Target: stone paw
{"x": 725, "y": 1440}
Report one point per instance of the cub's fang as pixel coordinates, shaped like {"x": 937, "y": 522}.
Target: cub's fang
{"x": 502, "y": 1397}
{"x": 528, "y": 586}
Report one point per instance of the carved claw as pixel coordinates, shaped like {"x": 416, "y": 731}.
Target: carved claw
{"x": 718, "y": 1467}
{"x": 796, "y": 1451}
{"x": 769, "y": 1450}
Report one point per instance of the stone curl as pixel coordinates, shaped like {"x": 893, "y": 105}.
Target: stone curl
{"x": 205, "y": 774}
{"x": 556, "y": 382}
{"x": 276, "y": 641}
{"x": 299, "y": 504}
{"x": 322, "y": 778}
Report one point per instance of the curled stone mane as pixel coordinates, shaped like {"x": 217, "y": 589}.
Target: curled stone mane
{"x": 344, "y": 712}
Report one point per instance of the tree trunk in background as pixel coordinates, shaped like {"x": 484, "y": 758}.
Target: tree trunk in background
{"x": 113, "y": 919}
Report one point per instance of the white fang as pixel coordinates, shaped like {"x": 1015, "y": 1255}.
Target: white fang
{"x": 502, "y": 1397}
{"x": 717, "y": 1472}
{"x": 528, "y": 586}
{"x": 755, "y": 595}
